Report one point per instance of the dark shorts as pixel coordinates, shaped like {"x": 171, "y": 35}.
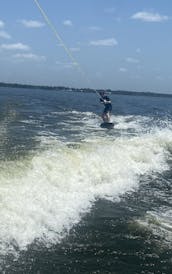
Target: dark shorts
{"x": 108, "y": 108}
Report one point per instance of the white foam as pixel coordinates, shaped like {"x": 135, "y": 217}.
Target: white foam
{"x": 130, "y": 122}
{"x": 30, "y": 122}
{"x": 44, "y": 196}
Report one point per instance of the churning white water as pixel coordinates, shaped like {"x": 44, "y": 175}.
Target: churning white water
{"x": 43, "y": 195}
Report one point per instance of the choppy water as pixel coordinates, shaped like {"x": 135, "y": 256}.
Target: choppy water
{"x": 75, "y": 198}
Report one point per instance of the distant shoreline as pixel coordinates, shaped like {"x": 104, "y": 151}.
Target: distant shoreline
{"x": 86, "y": 90}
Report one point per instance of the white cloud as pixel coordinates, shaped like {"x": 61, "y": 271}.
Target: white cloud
{"x": 29, "y": 56}
{"x": 67, "y": 23}
{"x": 4, "y": 34}
{"x": 149, "y": 17}
{"x": 110, "y": 42}
{"x": 122, "y": 69}
{"x": 138, "y": 50}
{"x": 2, "y": 24}
{"x": 32, "y": 24}
{"x": 17, "y": 46}
{"x": 132, "y": 60}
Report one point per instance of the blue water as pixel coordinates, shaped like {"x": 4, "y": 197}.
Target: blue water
{"x": 76, "y": 198}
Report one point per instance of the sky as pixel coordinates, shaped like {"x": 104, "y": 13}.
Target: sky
{"x": 101, "y": 44}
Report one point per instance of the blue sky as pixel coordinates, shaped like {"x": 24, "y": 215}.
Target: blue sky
{"x": 116, "y": 44}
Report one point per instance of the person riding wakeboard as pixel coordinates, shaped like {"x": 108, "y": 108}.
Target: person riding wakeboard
{"x": 108, "y": 107}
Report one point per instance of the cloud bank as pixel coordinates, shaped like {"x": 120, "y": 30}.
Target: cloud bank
{"x": 17, "y": 46}
{"x": 149, "y": 17}
{"x": 67, "y": 23}
{"x": 110, "y": 42}
{"x": 3, "y": 33}
{"x": 29, "y": 56}
{"x": 32, "y": 23}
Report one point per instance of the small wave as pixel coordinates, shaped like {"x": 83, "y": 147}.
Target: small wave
{"x": 160, "y": 224}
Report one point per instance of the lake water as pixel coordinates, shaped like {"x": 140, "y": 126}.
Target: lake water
{"x": 76, "y": 198}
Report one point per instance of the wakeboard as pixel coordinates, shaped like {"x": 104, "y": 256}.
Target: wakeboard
{"x": 107, "y": 125}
